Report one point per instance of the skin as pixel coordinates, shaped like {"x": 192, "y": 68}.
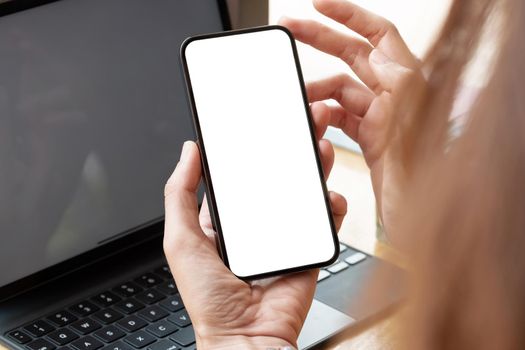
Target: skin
{"x": 364, "y": 112}
{"x": 230, "y": 313}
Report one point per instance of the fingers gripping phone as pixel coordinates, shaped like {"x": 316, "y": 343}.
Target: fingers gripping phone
{"x": 261, "y": 165}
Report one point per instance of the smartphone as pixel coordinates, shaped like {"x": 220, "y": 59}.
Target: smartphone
{"x": 261, "y": 166}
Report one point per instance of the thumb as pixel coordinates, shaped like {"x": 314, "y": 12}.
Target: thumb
{"x": 390, "y": 74}
{"x": 180, "y": 199}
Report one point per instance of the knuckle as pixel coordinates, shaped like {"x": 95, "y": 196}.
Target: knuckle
{"x": 406, "y": 77}
{"x": 309, "y": 22}
{"x": 322, "y": 29}
{"x": 375, "y": 86}
{"x": 390, "y": 27}
{"x": 170, "y": 189}
{"x": 352, "y": 54}
{"x": 349, "y": 19}
{"x": 384, "y": 29}
{"x": 319, "y": 32}
{"x": 341, "y": 78}
{"x": 349, "y": 55}
{"x": 337, "y": 94}
{"x": 173, "y": 184}
{"x": 341, "y": 81}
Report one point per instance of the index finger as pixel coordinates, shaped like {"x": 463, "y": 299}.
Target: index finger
{"x": 377, "y": 30}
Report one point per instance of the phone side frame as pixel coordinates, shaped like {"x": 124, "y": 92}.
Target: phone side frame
{"x": 206, "y": 171}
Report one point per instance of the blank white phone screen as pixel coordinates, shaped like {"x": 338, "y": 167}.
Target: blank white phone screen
{"x": 260, "y": 153}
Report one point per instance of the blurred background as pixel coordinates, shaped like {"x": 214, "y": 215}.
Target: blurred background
{"x": 418, "y": 22}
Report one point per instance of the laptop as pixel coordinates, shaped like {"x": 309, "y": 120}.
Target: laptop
{"x": 93, "y": 113}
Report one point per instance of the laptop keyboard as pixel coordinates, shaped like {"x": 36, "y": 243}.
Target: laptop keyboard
{"x": 144, "y": 313}
{"x": 351, "y": 258}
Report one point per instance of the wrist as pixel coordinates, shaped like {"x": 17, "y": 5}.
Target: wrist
{"x": 243, "y": 342}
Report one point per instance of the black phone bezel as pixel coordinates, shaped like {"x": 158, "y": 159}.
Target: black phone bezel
{"x": 122, "y": 241}
{"x": 206, "y": 171}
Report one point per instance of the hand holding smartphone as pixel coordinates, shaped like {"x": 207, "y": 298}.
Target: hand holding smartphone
{"x": 259, "y": 151}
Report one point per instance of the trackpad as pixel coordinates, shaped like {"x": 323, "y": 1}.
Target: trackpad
{"x": 321, "y": 323}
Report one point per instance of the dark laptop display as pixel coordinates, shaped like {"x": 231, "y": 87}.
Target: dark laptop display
{"x": 92, "y": 116}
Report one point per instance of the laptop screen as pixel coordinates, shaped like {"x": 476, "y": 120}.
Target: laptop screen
{"x": 92, "y": 116}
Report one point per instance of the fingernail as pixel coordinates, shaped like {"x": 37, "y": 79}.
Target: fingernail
{"x": 185, "y": 151}
{"x": 378, "y": 57}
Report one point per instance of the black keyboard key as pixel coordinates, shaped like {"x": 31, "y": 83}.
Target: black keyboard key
{"x": 132, "y": 323}
{"x": 139, "y": 339}
{"x": 62, "y": 336}
{"x": 62, "y": 318}
{"x": 148, "y": 280}
{"x": 41, "y": 344}
{"x": 20, "y": 337}
{"x": 168, "y": 287}
{"x": 64, "y": 348}
{"x": 164, "y": 272}
{"x": 185, "y": 336}
{"x": 109, "y": 334}
{"x": 153, "y": 313}
{"x": 118, "y": 346}
{"x": 108, "y": 316}
{"x": 150, "y": 296}
{"x": 164, "y": 344}
{"x": 127, "y": 289}
{"x": 173, "y": 303}
{"x": 39, "y": 328}
{"x": 180, "y": 318}
{"x": 87, "y": 343}
{"x": 162, "y": 328}
{"x": 86, "y": 326}
{"x": 129, "y": 306}
{"x": 106, "y": 299}
{"x": 84, "y": 308}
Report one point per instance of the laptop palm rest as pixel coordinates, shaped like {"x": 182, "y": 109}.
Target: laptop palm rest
{"x": 321, "y": 323}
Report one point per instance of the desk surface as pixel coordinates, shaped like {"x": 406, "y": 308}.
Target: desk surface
{"x": 350, "y": 177}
